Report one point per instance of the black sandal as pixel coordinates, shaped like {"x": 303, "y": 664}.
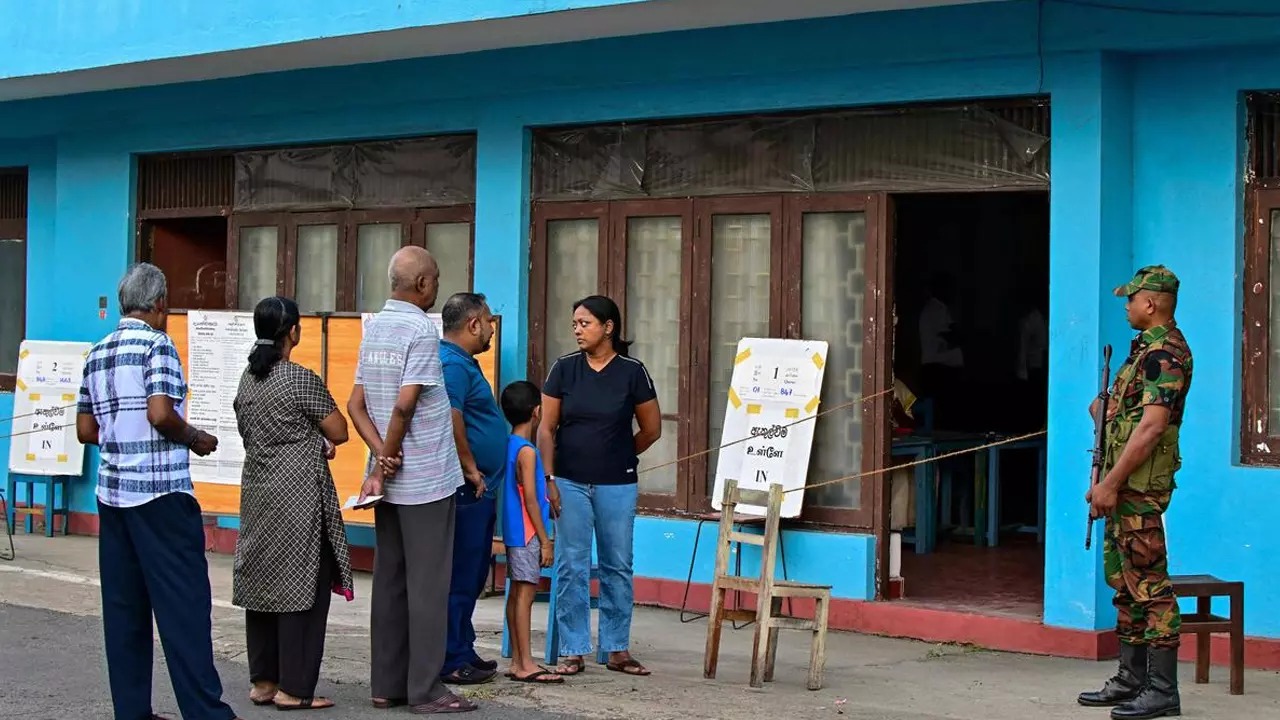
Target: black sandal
{"x": 305, "y": 704}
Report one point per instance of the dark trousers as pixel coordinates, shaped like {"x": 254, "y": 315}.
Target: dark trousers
{"x": 151, "y": 560}
{"x": 286, "y": 648}
{"x": 412, "y": 564}
{"x": 472, "y": 550}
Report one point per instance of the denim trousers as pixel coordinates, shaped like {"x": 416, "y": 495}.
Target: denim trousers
{"x": 608, "y": 512}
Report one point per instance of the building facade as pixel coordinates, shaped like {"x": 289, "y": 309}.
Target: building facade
{"x": 723, "y": 170}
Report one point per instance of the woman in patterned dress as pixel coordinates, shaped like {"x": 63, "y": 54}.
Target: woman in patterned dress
{"x": 292, "y": 550}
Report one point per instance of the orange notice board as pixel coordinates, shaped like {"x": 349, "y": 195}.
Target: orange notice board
{"x": 330, "y": 347}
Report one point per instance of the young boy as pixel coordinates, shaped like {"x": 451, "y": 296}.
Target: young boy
{"x": 525, "y": 517}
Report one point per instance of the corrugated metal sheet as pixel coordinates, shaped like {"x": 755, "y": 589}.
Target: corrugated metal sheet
{"x": 13, "y": 194}
{"x": 186, "y": 182}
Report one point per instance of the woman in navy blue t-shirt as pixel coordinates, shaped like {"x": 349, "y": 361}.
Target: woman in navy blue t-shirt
{"x": 590, "y": 454}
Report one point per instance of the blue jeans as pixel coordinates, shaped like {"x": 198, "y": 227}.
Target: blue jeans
{"x": 608, "y": 511}
{"x": 472, "y": 550}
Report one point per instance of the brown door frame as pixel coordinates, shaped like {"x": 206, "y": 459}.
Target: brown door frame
{"x": 704, "y": 210}
{"x": 235, "y": 224}
{"x": 342, "y": 301}
{"x": 620, "y": 212}
{"x": 543, "y": 213}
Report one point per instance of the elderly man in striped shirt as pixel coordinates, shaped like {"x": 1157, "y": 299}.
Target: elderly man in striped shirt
{"x": 400, "y": 408}
{"x": 151, "y": 535}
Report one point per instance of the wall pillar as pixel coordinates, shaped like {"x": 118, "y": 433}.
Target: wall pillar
{"x": 1090, "y": 253}
{"x": 502, "y": 233}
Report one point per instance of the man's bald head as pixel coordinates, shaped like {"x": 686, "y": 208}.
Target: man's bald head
{"x": 415, "y": 276}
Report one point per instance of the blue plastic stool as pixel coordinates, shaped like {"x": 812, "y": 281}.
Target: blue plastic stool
{"x": 55, "y": 487}
{"x": 552, "y": 652}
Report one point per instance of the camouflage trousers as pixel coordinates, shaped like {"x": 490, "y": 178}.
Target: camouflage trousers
{"x": 1136, "y": 562}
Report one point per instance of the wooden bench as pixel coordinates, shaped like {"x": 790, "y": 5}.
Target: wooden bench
{"x": 1203, "y": 623}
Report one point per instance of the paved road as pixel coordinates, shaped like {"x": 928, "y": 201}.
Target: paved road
{"x": 51, "y": 666}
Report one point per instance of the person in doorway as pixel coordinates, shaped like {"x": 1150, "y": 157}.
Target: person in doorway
{"x": 526, "y": 519}
{"x": 151, "y": 533}
{"x": 1033, "y": 360}
{"x": 1143, "y": 417}
{"x": 480, "y": 434}
{"x": 291, "y": 553}
{"x": 400, "y": 408}
{"x": 941, "y": 355}
{"x": 589, "y": 402}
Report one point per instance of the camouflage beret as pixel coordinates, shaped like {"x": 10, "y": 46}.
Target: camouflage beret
{"x": 1156, "y": 278}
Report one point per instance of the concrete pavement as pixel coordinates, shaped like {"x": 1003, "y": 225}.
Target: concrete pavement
{"x": 50, "y": 632}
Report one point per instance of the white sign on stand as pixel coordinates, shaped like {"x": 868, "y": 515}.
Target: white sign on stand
{"x": 218, "y": 347}
{"x": 46, "y": 391}
{"x": 775, "y": 383}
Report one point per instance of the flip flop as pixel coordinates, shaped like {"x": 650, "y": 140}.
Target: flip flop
{"x": 537, "y": 678}
{"x": 305, "y": 704}
{"x": 625, "y": 667}
{"x": 573, "y": 667}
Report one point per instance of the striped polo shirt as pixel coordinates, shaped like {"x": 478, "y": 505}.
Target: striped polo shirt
{"x": 401, "y": 346}
{"x": 138, "y": 464}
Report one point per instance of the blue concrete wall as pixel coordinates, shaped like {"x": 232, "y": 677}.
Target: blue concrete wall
{"x": 55, "y": 36}
{"x": 1146, "y": 153}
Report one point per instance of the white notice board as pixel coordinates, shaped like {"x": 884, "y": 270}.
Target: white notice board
{"x": 775, "y": 382}
{"x": 218, "y": 345}
{"x": 44, "y": 409}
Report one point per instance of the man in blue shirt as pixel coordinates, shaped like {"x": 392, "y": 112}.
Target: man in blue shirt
{"x": 481, "y": 436}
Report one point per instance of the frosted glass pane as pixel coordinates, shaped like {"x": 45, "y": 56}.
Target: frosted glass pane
{"x": 450, "y": 244}
{"x": 12, "y": 266}
{"x": 831, "y": 310}
{"x": 317, "y": 268}
{"x": 257, "y": 275}
{"x": 572, "y": 254}
{"x": 740, "y": 251}
{"x": 653, "y": 319}
{"x": 375, "y": 244}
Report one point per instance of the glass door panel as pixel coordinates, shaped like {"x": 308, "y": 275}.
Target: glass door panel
{"x": 741, "y": 253}
{"x": 316, "y": 268}
{"x": 375, "y": 244}
{"x": 450, "y": 244}
{"x": 573, "y": 252}
{"x": 832, "y": 309}
{"x": 257, "y": 256}
{"x": 653, "y": 298}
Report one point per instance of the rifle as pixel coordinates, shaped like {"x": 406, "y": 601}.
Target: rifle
{"x": 1099, "y": 423}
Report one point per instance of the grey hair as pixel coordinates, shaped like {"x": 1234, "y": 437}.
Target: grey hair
{"x": 459, "y": 308}
{"x": 142, "y": 288}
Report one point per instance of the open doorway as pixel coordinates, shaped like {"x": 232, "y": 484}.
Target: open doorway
{"x": 971, "y": 345}
{"x": 192, "y": 252}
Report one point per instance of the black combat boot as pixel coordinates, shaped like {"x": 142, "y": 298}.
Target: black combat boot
{"x": 1125, "y": 684}
{"x": 1159, "y": 698}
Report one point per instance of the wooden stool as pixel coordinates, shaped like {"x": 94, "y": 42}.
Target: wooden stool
{"x": 1204, "y": 623}
{"x": 769, "y": 593}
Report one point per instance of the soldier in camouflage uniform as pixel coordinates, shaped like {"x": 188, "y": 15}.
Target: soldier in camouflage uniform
{"x": 1143, "y": 418}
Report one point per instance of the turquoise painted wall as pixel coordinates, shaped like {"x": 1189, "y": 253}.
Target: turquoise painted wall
{"x": 1146, "y": 166}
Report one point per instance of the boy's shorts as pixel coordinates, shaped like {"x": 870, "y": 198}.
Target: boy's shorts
{"x": 524, "y": 564}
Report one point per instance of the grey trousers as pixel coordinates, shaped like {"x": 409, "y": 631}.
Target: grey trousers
{"x": 412, "y": 567}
